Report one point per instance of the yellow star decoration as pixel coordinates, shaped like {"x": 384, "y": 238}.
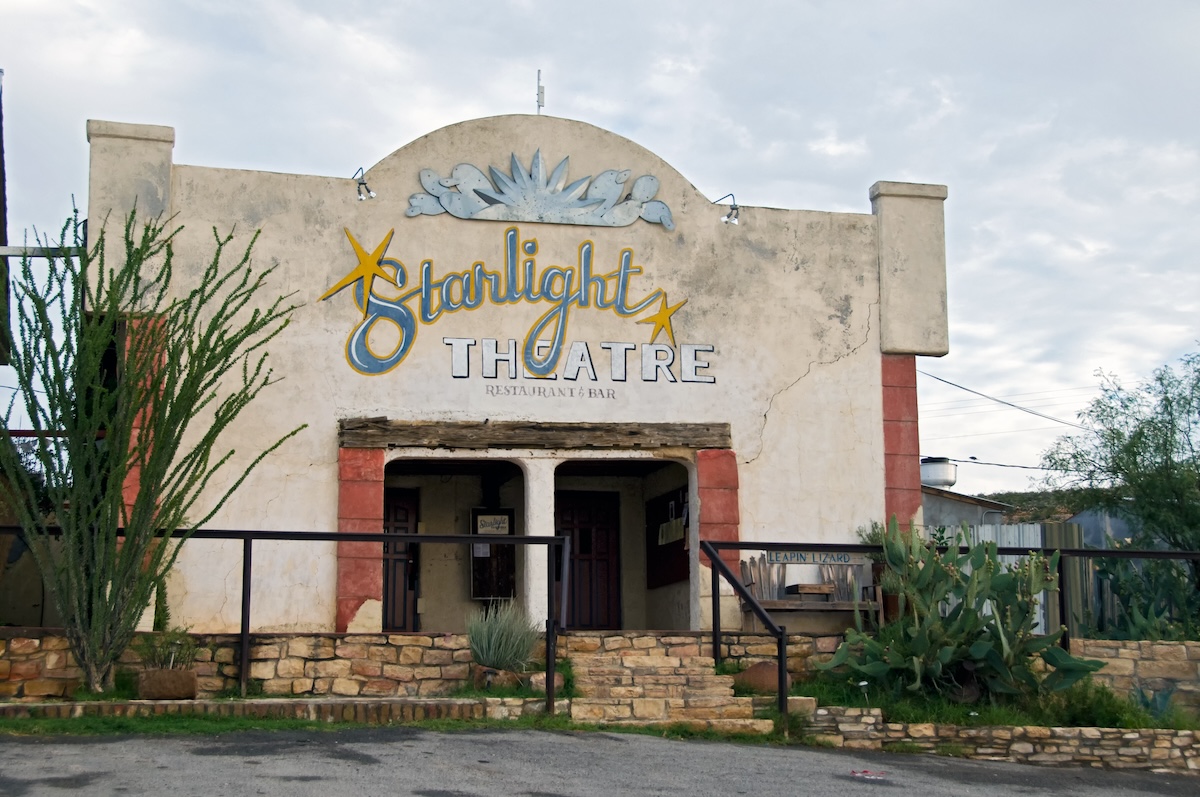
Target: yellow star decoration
{"x": 367, "y": 270}
{"x": 662, "y": 319}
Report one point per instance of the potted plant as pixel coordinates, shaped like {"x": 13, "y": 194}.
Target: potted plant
{"x": 502, "y": 640}
{"x": 881, "y": 574}
{"x": 167, "y": 659}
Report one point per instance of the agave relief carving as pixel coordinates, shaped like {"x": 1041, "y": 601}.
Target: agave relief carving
{"x": 534, "y": 195}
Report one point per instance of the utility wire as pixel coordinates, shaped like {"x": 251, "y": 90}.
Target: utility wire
{"x": 1000, "y": 464}
{"x": 1007, "y": 403}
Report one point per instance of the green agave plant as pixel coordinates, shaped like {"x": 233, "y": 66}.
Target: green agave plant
{"x": 966, "y": 624}
{"x": 502, "y": 636}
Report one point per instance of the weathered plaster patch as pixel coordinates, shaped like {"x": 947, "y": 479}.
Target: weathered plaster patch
{"x": 368, "y": 619}
{"x": 808, "y": 369}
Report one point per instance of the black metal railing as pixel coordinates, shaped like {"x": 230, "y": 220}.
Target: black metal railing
{"x": 721, "y": 570}
{"x": 248, "y": 538}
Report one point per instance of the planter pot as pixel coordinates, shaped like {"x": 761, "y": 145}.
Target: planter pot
{"x": 167, "y": 685}
{"x": 891, "y": 601}
{"x": 489, "y": 678}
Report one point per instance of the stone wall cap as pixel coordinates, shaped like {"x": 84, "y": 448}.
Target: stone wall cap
{"x": 97, "y": 128}
{"x": 918, "y": 190}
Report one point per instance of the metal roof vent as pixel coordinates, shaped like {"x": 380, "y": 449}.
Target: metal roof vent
{"x": 938, "y": 472}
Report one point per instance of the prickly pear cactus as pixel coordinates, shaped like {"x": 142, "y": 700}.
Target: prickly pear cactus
{"x": 966, "y": 623}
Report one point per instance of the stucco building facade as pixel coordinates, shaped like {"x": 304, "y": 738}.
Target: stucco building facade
{"x": 535, "y": 326}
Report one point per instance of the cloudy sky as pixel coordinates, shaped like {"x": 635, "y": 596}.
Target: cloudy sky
{"x": 1066, "y": 131}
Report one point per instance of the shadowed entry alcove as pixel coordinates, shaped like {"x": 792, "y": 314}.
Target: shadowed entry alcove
{"x": 434, "y": 587}
{"x": 629, "y": 522}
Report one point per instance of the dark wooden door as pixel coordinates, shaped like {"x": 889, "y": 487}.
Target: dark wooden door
{"x": 592, "y": 521}
{"x": 400, "y": 561}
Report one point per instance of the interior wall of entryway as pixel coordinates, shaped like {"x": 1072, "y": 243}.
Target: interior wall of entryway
{"x": 635, "y": 482}
{"x": 448, "y": 491}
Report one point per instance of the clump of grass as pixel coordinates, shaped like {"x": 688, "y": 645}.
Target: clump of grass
{"x": 254, "y": 688}
{"x": 502, "y": 637}
{"x": 903, "y": 746}
{"x": 730, "y": 667}
{"x": 124, "y": 688}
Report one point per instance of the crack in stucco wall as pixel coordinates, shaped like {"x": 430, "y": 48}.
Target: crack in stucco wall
{"x": 871, "y": 308}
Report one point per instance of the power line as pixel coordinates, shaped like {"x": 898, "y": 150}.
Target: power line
{"x": 1000, "y": 464}
{"x": 1007, "y": 403}
{"x": 1089, "y": 388}
{"x": 980, "y": 409}
{"x": 988, "y": 434}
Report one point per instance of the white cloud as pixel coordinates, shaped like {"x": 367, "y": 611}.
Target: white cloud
{"x": 831, "y": 146}
{"x": 1073, "y": 173}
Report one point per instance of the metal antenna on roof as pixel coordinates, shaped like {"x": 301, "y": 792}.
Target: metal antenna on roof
{"x": 541, "y": 94}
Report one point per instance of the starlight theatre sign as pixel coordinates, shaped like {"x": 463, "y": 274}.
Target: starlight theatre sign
{"x": 390, "y": 300}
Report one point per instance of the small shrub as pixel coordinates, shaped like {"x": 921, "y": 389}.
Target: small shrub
{"x": 170, "y": 650}
{"x": 502, "y": 637}
{"x": 730, "y": 667}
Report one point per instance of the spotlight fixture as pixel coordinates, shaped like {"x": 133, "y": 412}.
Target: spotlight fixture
{"x": 364, "y": 190}
{"x": 732, "y": 216}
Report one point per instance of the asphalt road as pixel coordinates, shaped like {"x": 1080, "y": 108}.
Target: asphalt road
{"x": 405, "y": 761}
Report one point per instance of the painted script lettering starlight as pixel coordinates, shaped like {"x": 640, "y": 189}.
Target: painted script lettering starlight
{"x": 519, "y": 281}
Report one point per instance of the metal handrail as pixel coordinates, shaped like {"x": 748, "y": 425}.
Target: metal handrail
{"x": 721, "y": 570}
{"x": 248, "y": 537}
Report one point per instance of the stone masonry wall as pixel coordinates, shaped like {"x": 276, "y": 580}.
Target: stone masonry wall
{"x": 36, "y": 665}
{"x": 746, "y": 649}
{"x": 1113, "y": 748}
{"x": 1151, "y": 666}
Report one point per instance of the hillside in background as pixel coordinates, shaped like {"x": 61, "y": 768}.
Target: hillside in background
{"x": 1035, "y": 507}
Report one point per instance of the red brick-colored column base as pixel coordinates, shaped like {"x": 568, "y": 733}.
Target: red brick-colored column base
{"x": 360, "y": 508}
{"x": 901, "y": 441}
{"x": 717, "y": 478}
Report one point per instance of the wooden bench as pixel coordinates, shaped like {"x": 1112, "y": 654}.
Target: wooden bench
{"x": 765, "y": 583}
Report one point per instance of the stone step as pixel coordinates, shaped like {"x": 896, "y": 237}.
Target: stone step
{"x": 614, "y": 708}
{"x": 806, "y": 707}
{"x": 652, "y": 690}
{"x": 757, "y": 727}
{"x": 640, "y": 660}
{"x": 633, "y": 676}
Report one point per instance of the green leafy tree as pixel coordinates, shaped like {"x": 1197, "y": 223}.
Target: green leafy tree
{"x": 130, "y": 381}
{"x": 1140, "y": 457}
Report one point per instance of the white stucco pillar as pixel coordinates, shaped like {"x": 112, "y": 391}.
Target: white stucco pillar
{"x": 912, "y": 268}
{"x": 539, "y": 522}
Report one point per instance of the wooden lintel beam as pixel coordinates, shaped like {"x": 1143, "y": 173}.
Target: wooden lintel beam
{"x": 384, "y": 433}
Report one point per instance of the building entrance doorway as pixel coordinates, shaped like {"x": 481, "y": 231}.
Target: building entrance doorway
{"x": 592, "y": 521}
{"x": 400, "y": 560}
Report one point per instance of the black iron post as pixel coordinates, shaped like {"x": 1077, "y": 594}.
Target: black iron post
{"x": 551, "y": 632}
{"x": 716, "y": 609}
{"x": 781, "y": 650}
{"x": 247, "y": 565}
